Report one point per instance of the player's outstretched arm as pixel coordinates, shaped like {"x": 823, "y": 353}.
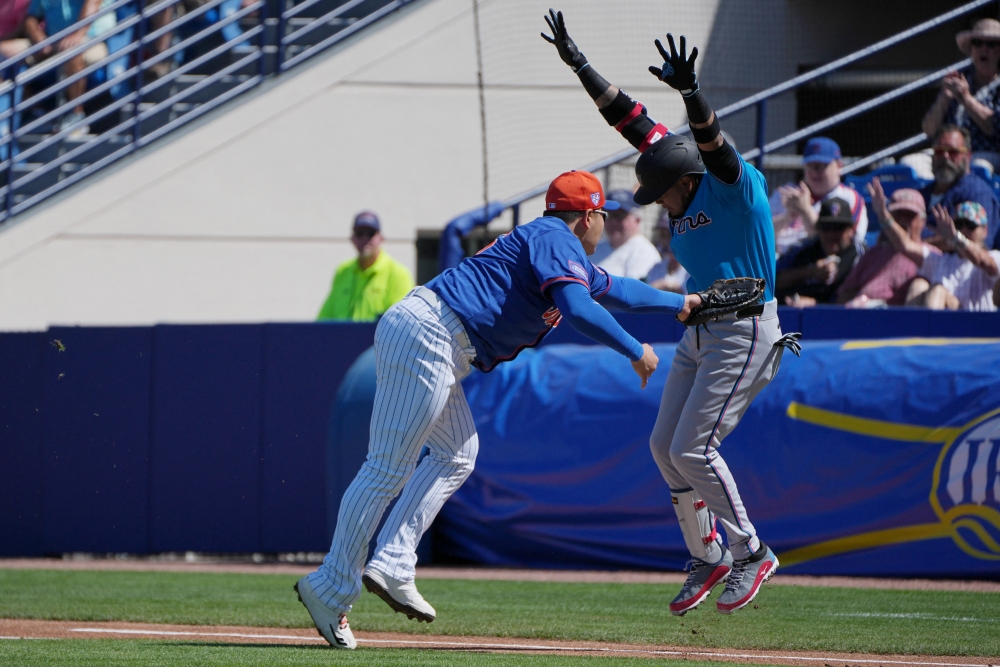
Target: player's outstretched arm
{"x": 637, "y": 297}
{"x": 619, "y": 110}
{"x": 586, "y": 316}
{"x": 678, "y": 72}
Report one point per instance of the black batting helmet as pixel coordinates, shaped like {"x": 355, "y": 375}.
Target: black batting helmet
{"x": 665, "y": 163}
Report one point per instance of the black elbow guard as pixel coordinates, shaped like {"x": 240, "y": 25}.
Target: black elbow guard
{"x": 723, "y": 163}
{"x": 706, "y": 135}
{"x": 621, "y": 108}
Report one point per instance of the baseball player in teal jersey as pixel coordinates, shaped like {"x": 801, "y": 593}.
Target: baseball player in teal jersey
{"x": 478, "y": 314}
{"x": 721, "y": 228}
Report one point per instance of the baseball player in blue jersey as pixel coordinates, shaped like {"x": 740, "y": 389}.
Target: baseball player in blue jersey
{"x": 721, "y": 228}
{"x": 479, "y": 314}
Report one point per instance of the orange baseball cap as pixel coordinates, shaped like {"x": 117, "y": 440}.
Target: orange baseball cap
{"x": 577, "y": 191}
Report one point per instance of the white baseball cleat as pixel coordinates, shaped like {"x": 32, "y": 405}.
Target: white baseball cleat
{"x": 402, "y": 597}
{"x": 332, "y": 625}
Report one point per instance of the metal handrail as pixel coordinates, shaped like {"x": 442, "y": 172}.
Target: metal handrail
{"x": 760, "y": 99}
{"x": 53, "y": 39}
{"x": 343, "y": 34}
{"x": 857, "y": 110}
{"x": 128, "y": 129}
{"x": 895, "y": 149}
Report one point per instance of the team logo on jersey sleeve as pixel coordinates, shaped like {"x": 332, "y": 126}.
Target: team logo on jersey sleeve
{"x": 578, "y": 270}
{"x": 552, "y": 316}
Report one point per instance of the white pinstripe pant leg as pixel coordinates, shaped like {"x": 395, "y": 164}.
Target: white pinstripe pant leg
{"x": 452, "y": 448}
{"x": 416, "y": 371}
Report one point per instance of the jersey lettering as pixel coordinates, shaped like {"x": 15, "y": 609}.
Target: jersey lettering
{"x": 681, "y": 225}
{"x": 552, "y": 316}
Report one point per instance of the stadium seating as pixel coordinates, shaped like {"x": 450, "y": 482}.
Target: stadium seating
{"x": 210, "y": 65}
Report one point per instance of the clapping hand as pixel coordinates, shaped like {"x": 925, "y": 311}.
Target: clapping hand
{"x": 955, "y": 86}
{"x": 678, "y": 70}
{"x": 797, "y": 199}
{"x": 879, "y": 204}
{"x": 945, "y": 223}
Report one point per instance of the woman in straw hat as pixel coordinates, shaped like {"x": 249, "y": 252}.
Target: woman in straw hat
{"x": 970, "y": 97}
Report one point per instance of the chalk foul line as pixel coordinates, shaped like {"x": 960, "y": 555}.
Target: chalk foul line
{"x": 530, "y": 647}
{"x": 918, "y": 616}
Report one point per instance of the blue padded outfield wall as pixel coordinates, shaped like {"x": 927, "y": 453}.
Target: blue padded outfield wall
{"x": 223, "y": 439}
{"x": 864, "y": 458}
{"x": 170, "y": 438}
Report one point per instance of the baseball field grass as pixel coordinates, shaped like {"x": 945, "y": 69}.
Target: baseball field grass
{"x": 783, "y": 617}
{"x": 127, "y": 653}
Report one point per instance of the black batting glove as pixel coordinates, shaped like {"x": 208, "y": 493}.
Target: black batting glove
{"x": 564, "y": 43}
{"x": 678, "y": 70}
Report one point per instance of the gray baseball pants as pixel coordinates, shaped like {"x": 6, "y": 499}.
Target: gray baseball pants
{"x": 717, "y": 371}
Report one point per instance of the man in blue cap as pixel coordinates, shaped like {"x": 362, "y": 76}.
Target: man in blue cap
{"x": 795, "y": 208}
{"x": 632, "y": 255}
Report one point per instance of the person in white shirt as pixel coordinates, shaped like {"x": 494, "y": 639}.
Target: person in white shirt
{"x": 962, "y": 279}
{"x": 795, "y": 208}
{"x": 668, "y": 274}
{"x": 632, "y": 254}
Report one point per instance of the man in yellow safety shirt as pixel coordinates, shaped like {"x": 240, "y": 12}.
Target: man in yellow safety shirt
{"x": 365, "y": 287}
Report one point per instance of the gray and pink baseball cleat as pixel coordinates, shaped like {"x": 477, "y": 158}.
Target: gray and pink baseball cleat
{"x": 701, "y": 579}
{"x": 745, "y": 580}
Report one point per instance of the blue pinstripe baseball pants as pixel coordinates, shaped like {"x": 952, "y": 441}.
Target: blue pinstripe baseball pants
{"x": 421, "y": 355}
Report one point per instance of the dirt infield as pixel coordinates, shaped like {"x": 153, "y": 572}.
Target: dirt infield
{"x": 33, "y": 629}
{"x": 504, "y": 574}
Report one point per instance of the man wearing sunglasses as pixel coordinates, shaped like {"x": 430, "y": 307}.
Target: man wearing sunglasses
{"x": 970, "y": 97}
{"x": 365, "y": 287}
{"x": 961, "y": 278}
{"x": 955, "y": 183}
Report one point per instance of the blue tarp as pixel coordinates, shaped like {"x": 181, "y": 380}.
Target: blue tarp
{"x": 865, "y": 458}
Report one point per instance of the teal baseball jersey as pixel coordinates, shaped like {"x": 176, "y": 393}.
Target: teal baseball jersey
{"x": 726, "y": 232}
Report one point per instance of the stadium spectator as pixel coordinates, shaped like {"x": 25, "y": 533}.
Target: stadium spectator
{"x": 883, "y": 275}
{"x": 365, "y": 287}
{"x": 812, "y": 271}
{"x": 450, "y": 250}
{"x": 632, "y": 254}
{"x": 668, "y": 274}
{"x": 57, "y": 15}
{"x": 954, "y": 183}
{"x": 961, "y": 279}
{"x": 795, "y": 208}
{"x": 970, "y": 97}
{"x": 13, "y": 39}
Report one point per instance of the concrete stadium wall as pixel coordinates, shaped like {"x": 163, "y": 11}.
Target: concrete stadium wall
{"x": 244, "y": 217}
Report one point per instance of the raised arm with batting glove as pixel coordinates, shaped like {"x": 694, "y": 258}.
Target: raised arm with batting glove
{"x": 630, "y": 118}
